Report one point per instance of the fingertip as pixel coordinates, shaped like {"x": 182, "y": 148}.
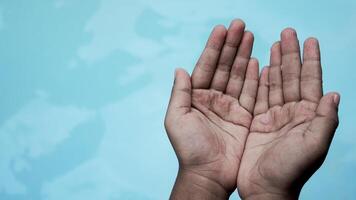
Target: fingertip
{"x": 176, "y": 71}
{"x": 288, "y": 33}
{"x": 246, "y": 45}
{"x": 254, "y": 60}
{"x": 336, "y": 99}
{"x": 289, "y": 42}
{"x": 248, "y": 35}
{"x": 220, "y": 30}
{"x": 311, "y": 41}
{"x": 328, "y": 108}
{"x": 238, "y": 23}
{"x": 331, "y": 93}
{"x": 181, "y": 93}
{"x": 333, "y": 97}
{"x": 276, "y": 46}
{"x": 311, "y": 48}
{"x": 217, "y": 37}
{"x": 180, "y": 72}
{"x": 219, "y": 27}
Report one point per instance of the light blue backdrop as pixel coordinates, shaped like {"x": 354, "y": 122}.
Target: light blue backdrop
{"x": 84, "y": 87}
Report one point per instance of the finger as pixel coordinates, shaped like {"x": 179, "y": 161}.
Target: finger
{"x": 249, "y": 90}
{"x": 180, "y": 102}
{"x": 311, "y": 78}
{"x": 323, "y": 126}
{"x": 238, "y": 70}
{"x": 233, "y": 39}
{"x": 291, "y": 65}
{"x": 262, "y": 93}
{"x": 275, "y": 76}
{"x": 206, "y": 65}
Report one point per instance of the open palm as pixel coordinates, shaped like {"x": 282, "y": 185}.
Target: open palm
{"x": 209, "y": 115}
{"x": 293, "y": 122}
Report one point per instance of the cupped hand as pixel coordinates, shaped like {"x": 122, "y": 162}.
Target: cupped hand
{"x": 293, "y": 123}
{"x": 210, "y": 113}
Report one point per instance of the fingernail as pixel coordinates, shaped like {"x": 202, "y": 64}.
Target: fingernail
{"x": 336, "y": 99}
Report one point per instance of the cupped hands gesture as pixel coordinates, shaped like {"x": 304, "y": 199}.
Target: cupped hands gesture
{"x": 233, "y": 128}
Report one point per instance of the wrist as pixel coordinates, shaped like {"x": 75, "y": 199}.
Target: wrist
{"x": 266, "y": 190}
{"x": 274, "y": 196}
{"x": 191, "y": 185}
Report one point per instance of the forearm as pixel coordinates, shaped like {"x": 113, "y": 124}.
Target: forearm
{"x": 190, "y": 185}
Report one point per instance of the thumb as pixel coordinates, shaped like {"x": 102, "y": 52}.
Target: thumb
{"x": 326, "y": 121}
{"x": 180, "y": 102}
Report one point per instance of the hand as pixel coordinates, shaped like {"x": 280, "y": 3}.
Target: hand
{"x": 209, "y": 115}
{"x": 293, "y": 123}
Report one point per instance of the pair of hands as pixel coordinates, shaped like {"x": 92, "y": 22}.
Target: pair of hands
{"x": 233, "y": 128}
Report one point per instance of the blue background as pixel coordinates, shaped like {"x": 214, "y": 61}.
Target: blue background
{"x": 84, "y": 86}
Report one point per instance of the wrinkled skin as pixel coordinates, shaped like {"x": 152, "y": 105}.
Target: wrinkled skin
{"x": 209, "y": 126}
{"x": 293, "y": 122}
{"x": 230, "y": 127}
{"x": 213, "y": 140}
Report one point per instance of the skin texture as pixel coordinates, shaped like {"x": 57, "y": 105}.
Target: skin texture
{"x": 293, "y": 123}
{"x": 231, "y": 128}
{"x": 209, "y": 115}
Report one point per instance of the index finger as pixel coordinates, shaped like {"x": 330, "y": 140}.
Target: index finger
{"x": 205, "y": 68}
